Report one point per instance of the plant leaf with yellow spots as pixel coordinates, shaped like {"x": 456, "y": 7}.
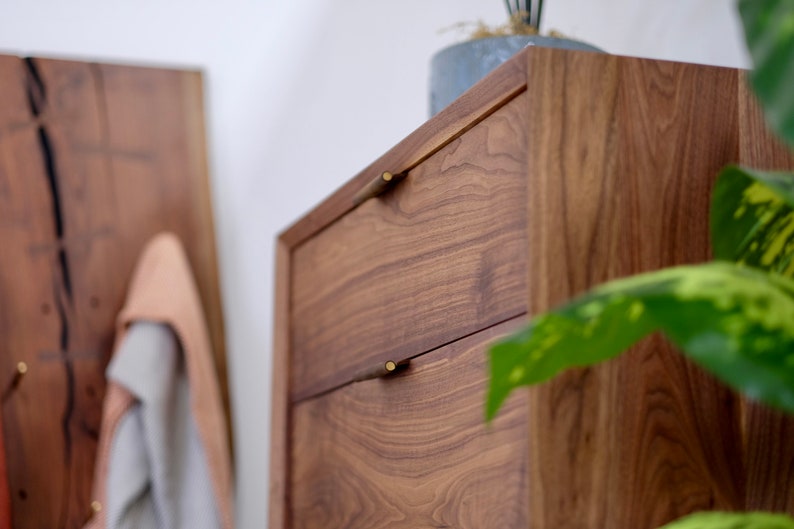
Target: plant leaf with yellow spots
{"x": 732, "y": 520}
{"x": 752, "y": 218}
{"x": 736, "y": 322}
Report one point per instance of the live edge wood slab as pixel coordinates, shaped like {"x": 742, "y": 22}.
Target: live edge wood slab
{"x": 619, "y": 156}
{"x": 94, "y": 160}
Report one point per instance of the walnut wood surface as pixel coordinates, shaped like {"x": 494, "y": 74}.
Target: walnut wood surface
{"x": 94, "y": 160}
{"x": 440, "y": 257}
{"x": 413, "y": 450}
{"x": 619, "y": 159}
{"x": 622, "y": 157}
{"x": 760, "y": 147}
{"x": 469, "y": 109}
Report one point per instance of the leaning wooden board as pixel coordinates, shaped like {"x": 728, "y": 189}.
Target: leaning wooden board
{"x": 94, "y": 160}
{"x": 613, "y": 159}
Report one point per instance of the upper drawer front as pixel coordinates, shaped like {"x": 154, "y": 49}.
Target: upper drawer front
{"x": 413, "y": 450}
{"x": 441, "y": 256}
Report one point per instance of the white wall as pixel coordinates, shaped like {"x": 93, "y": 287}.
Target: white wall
{"x": 301, "y": 96}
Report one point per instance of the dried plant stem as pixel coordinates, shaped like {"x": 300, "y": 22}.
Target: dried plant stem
{"x": 524, "y": 19}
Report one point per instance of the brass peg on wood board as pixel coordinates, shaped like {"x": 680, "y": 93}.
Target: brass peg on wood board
{"x": 21, "y": 371}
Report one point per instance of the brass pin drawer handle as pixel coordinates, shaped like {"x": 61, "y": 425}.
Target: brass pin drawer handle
{"x": 381, "y": 370}
{"x": 377, "y": 186}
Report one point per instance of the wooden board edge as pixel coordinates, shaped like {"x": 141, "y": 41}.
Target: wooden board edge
{"x": 193, "y": 102}
{"x": 141, "y": 65}
{"x": 279, "y": 418}
{"x": 476, "y": 104}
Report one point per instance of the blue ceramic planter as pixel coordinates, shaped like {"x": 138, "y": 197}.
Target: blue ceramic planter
{"x": 455, "y": 69}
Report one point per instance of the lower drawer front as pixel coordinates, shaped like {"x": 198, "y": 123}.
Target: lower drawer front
{"x": 412, "y": 450}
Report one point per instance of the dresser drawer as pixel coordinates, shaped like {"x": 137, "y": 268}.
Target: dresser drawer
{"x": 412, "y": 450}
{"x": 441, "y": 256}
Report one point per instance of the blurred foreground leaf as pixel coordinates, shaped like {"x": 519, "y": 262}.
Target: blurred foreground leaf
{"x": 752, "y": 218}
{"x": 769, "y": 32}
{"x": 732, "y": 520}
{"x": 736, "y": 322}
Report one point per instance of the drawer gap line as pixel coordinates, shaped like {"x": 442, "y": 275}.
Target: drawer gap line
{"x": 324, "y": 392}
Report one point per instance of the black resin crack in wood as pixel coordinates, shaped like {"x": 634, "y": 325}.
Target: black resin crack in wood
{"x": 62, "y": 283}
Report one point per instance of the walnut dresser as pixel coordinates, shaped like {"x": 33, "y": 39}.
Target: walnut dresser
{"x": 557, "y": 172}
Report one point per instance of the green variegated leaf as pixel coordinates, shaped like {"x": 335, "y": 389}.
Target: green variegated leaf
{"x": 769, "y": 32}
{"x": 732, "y": 520}
{"x": 734, "y": 321}
{"x": 752, "y": 218}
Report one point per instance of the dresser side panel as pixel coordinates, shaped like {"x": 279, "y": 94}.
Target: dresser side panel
{"x": 622, "y": 156}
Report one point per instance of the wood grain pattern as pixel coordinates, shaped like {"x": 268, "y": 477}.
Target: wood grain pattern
{"x": 760, "y": 147}
{"x": 280, "y": 408}
{"x": 413, "y": 450}
{"x": 622, "y": 156}
{"x": 440, "y": 257}
{"x": 767, "y": 434}
{"x": 94, "y": 160}
{"x": 469, "y": 109}
{"x": 769, "y": 459}
{"x": 619, "y": 159}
